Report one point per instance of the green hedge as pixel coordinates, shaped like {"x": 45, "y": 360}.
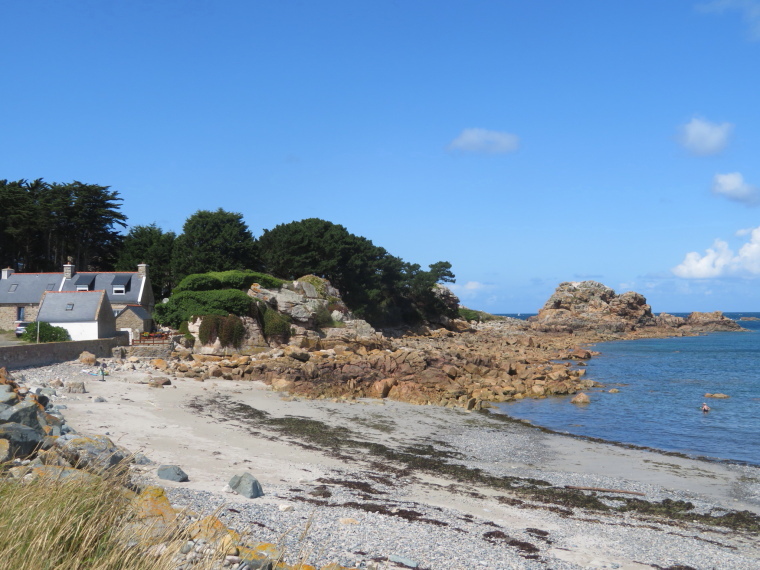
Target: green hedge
{"x": 186, "y": 304}
{"x": 227, "y": 280}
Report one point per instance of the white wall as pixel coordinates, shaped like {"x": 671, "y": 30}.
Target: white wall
{"x": 80, "y": 331}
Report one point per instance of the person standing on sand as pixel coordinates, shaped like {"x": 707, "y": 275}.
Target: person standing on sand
{"x": 705, "y": 407}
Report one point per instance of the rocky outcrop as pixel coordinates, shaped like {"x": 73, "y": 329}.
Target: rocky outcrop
{"x": 497, "y": 363}
{"x": 711, "y": 322}
{"x": 588, "y": 305}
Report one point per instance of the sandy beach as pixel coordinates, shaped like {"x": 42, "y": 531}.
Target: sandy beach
{"x": 349, "y": 472}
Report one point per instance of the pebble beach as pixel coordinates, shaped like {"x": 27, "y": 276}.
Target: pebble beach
{"x": 382, "y": 484}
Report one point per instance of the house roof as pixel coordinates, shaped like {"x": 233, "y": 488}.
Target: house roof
{"x": 71, "y": 307}
{"x": 106, "y": 281}
{"x": 25, "y": 288}
{"x": 139, "y": 311}
{"x": 28, "y": 288}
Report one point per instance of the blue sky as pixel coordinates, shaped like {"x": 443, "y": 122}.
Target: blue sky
{"x": 528, "y": 143}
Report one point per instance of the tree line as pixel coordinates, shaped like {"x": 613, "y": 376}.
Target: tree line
{"x": 46, "y": 224}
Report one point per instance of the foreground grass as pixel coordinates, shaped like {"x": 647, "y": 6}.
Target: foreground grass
{"x": 72, "y": 524}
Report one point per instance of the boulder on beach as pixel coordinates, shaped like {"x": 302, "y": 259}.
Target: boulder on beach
{"x": 246, "y": 485}
{"x": 581, "y": 398}
{"x": 88, "y": 358}
{"x": 172, "y": 473}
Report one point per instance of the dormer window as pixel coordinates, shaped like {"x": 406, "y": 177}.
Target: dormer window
{"x": 119, "y": 290}
{"x": 82, "y": 288}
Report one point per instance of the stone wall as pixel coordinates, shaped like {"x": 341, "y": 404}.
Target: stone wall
{"x": 8, "y": 314}
{"x": 21, "y": 355}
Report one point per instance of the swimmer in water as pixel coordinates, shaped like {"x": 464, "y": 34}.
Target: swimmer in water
{"x": 705, "y": 407}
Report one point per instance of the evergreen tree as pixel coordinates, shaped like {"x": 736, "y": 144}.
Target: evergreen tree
{"x": 213, "y": 241}
{"x": 150, "y": 245}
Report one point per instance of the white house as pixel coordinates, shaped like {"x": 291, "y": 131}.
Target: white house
{"x": 87, "y": 315}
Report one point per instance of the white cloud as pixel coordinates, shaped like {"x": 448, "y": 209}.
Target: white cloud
{"x": 704, "y": 138}
{"x": 469, "y": 290}
{"x": 483, "y": 141}
{"x": 721, "y": 261}
{"x": 733, "y": 187}
{"x": 750, "y": 11}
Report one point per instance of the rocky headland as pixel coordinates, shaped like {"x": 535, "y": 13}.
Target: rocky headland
{"x": 454, "y": 363}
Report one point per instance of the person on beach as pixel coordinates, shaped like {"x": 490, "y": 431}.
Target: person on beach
{"x": 705, "y": 407}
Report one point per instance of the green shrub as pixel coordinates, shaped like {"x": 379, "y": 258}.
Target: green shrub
{"x": 232, "y": 331}
{"x": 275, "y": 324}
{"x": 186, "y": 304}
{"x": 472, "y": 315}
{"x": 323, "y": 317}
{"x": 208, "y": 332}
{"x": 48, "y": 333}
{"x": 227, "y": 280}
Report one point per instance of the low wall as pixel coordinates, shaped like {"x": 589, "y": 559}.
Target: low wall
{"x": 23, "y": 355}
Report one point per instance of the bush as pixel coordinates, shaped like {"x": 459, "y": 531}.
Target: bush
{"x": 232, "y": 331}
{"x": 48, "y": 333}
{"x": 323, "y": 317}
{"x": 208, "y": 332}
{"x": 275, "y": 324}
{"x": 227, "y": 280}
{"x": 186, "y": 304}
{"x": 472, "y": 315}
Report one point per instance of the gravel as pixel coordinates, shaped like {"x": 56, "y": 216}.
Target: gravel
{"x": 407, "y": 533}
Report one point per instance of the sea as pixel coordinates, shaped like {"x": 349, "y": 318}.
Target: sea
{"x": 662, "y": 383}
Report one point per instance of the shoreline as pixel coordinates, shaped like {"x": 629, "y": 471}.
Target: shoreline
{"x": 359, "y": 454}
{"x": 632, "y": 446}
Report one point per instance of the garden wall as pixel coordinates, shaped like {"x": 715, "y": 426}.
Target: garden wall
{"x": 23, "y": 355}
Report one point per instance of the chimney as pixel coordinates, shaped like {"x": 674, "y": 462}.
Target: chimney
{"x": 7, "y": 272}
{"x": 68, "y": 271}
{"x": 142, "y": 269}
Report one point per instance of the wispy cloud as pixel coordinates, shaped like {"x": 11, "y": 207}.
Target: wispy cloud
{"x": 704, "y": 138}
{"x": 470, "y": 289}
{"x": 749, "y": 9}
{"x": 721, "y": 261}
{"x": 733, "y": 187}
{"x": 483, "y": 141}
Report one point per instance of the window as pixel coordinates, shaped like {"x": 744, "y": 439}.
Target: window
{"x": 50, "y": 286}
{"x": 19, "y": 313}
{"x": 13, "y": 287}
{"x": 70, "y": 307}
{"x": 82, "y": 288}
{"x": 119, "y": 290}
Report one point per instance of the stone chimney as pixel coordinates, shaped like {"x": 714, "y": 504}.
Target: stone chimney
{"x": 69, "y": 270}
{"x": 7, "y": 272}
{"x": 142, "y": 269}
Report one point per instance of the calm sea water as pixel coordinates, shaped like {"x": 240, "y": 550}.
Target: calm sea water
{"x": 662, "y": 383}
